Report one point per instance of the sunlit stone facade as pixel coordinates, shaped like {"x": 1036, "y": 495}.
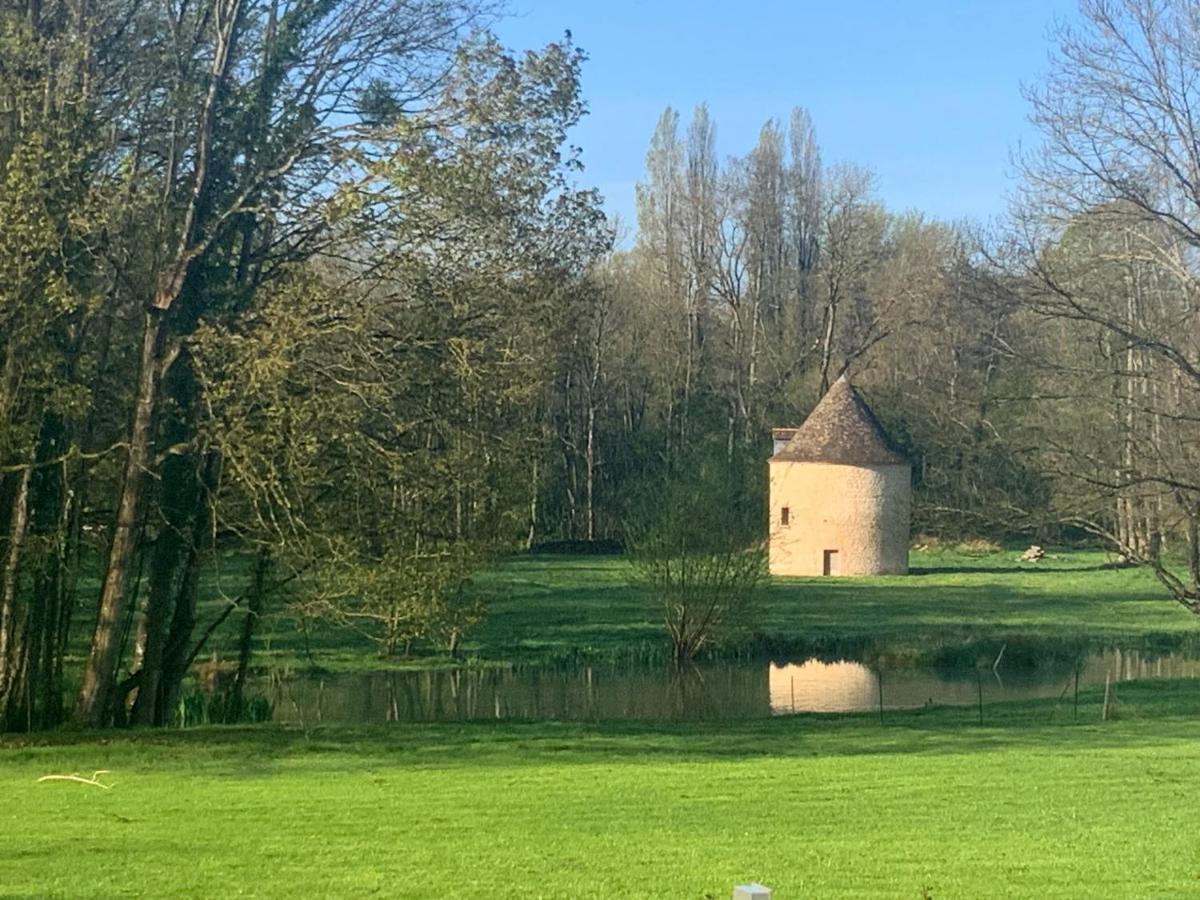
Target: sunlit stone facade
{"x": 861, "y": 513}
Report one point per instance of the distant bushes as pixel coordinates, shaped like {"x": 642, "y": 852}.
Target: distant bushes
{"x": 579, "y": 548}
{"x": 974, "y": 546}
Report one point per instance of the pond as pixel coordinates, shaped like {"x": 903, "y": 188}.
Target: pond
{"x": 729, "y": 690}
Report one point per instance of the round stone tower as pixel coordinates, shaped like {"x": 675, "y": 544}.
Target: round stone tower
{"x": 841, "y": 493}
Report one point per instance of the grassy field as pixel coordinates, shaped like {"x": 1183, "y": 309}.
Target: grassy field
{"x": 924, "y": 806}
{"x": 554, "y": 608}
{"x": 549, "y": 604}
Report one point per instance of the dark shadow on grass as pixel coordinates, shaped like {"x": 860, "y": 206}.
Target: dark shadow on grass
{"x": 1007, "y": 570}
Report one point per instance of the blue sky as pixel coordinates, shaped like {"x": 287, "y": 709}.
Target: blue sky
{"x": 925, "y": 93}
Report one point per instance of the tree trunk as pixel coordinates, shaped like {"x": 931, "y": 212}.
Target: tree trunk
{"x": 166, "y": 568}
{"x": 179, "y": 499}
{"x": 12, "y": 648}
{"x": 533, "y": 503}
{"x": 246, "y": 642}
{"x": 53, "y": 520}
{"x": 590, "y": 456}
{"x": 96, "y": 693}
{"x": 827, "y": 343}
{"x": 747, "y": 398}
{"x": 178, "y": 651}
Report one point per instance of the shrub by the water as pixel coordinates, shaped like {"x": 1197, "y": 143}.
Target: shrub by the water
{"x": 222, "y": 708}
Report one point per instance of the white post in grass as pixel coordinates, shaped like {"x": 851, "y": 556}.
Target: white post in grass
{"x": 751, "y": 892}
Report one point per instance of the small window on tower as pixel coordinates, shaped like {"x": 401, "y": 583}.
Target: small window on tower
{"x": 785, "y": 516}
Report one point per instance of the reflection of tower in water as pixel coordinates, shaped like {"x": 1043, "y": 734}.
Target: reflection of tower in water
{"x": 815, "y": 686}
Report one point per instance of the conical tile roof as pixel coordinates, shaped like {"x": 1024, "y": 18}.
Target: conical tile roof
{"x": 842, "y": 429}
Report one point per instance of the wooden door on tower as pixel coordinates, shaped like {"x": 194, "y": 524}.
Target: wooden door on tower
{"x": 831, "y": 562}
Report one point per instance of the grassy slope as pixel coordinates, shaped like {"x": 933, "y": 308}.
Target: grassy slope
{"x": 813, "y": 806}
{"x": 559, "y": 605}
{"x": 561, "y": 608}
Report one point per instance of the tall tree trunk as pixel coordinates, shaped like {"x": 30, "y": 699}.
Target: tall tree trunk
{"x": 52, "y": 518}
{"x": 12, "y": 651}
{"x": 96, "y": 693}
{"x": 686, "y": 402}
{"x": 179, "y": 500}
{"x": 590, "y": 457}
{"x": 254, "y": 609}
{"x": 827, "y": 343}
{"x": 570, "y": 450}
{"x": 748, "y": 410}
{"x": 533, "y": 503}
{"x": 14, "y": 499}
{"x": 737, "y": 404}
{"x": 178, "y": 651}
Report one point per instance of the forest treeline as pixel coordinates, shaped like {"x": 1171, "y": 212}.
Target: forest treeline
{"x": 320, "y": 282}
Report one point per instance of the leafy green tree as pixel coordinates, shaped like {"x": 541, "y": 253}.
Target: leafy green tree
{"x": 53, "y": 216}
{"x": 252, "y": 103}
{"x": 372, "y": 417}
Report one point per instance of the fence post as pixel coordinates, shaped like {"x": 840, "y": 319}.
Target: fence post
{"x": 979, "y": 686}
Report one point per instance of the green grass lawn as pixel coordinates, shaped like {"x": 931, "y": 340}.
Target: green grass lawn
{"x": 562, "y": 606}
{"x": 565, "y": 609}
{"x": 926, "y": 805}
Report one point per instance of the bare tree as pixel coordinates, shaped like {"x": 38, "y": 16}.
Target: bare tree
{"x": 804, "y": 193}
{"x": 700, "y": 564}
{"x": 661, "y": 244}
{"x": 854, "y": 227}
{"x": 1114, "y": 193}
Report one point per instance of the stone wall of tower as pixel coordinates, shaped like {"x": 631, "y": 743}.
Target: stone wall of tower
{"x": 860, "y": 512}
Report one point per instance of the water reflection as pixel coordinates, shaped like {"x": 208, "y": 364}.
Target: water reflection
{"x": 713, "y": 691}
{"x": 813, "y": 686}
{"x": 588, "y": 693}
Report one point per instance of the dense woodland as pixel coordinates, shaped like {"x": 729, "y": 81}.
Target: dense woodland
{"x": 322, "y": 282}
